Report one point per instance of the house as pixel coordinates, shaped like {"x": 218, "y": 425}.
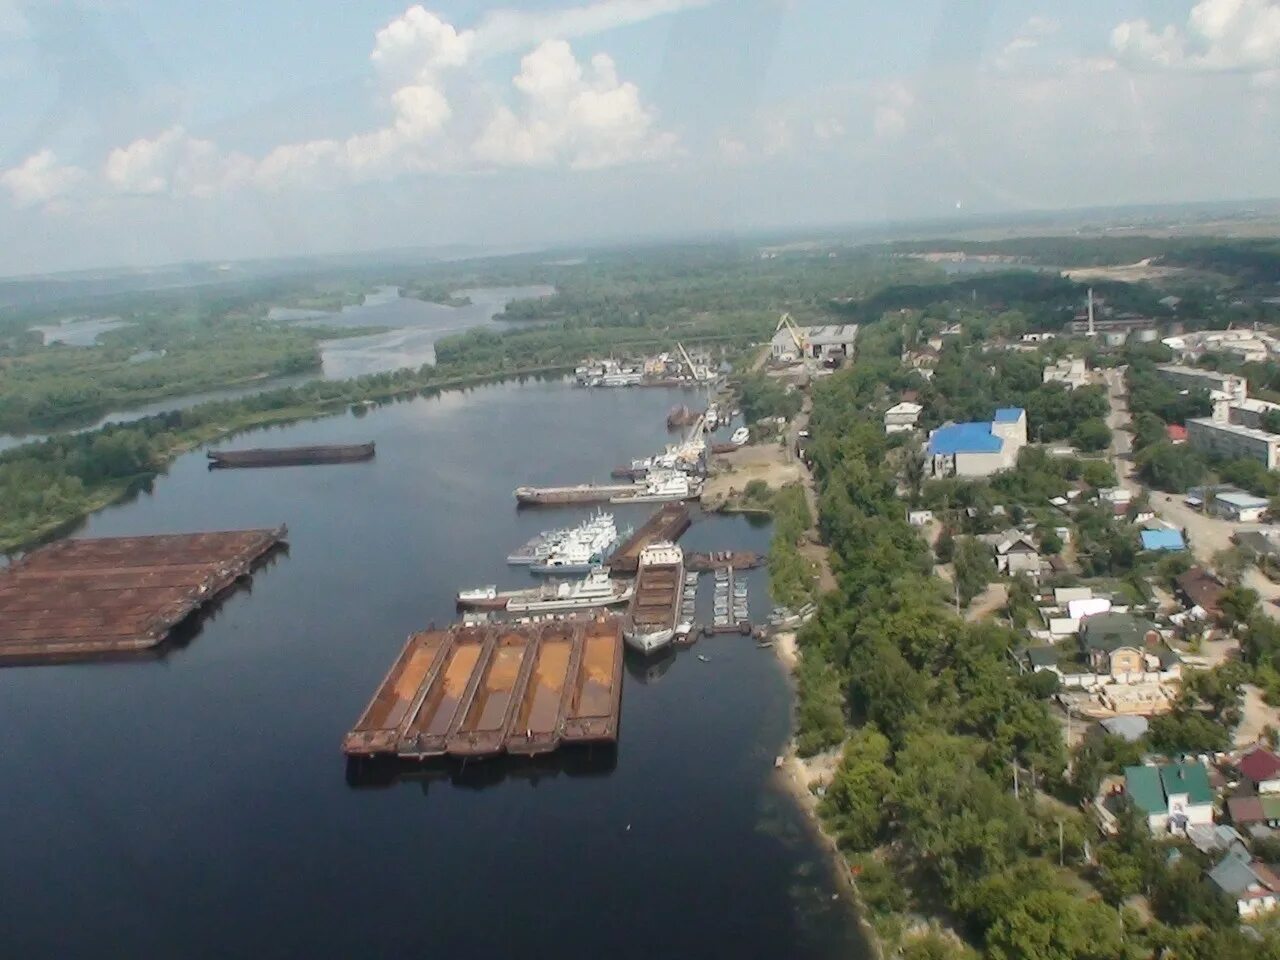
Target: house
{"x": 1261, "y": 768}
{"x": 1249, "y": 811}
{"x": 1018, "y": 555}
{"x": 979, "y": 449}
{"x": 834, "y": 342}
{"x": 919, "y": 518}
{"x": 1170, "y": 540}
{"x": 1250, "y": 883}
{"x": 1042, "y": 658}
{"x": 1176, "y": 433}
{"x": 1119, "y": 645}
{"x": 1118, "y": 498}
{"x": 1215, "y": 838}
{"x": 1172, "y": 796}
{"x": 1201, "y": 592}
{"x": 1241, "y": 507}
{"x": 1071, "y": 372}
{"x": 902, "y": 417}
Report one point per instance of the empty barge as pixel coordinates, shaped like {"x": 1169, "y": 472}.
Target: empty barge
{"x": 91, "y": 598}
{"x": 669, "y": 522}
{"x": 290, "y": 456}
{"x": 478, "y": 691}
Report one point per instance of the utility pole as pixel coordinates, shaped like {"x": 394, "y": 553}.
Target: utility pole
{"x": 1060, "y": 853}
{"x": 1015, "y": 779}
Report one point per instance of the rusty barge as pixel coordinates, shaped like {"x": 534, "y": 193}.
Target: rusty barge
{"x": 668, "y": 522}
{"x": 475, "y": 691}
{"x": 290, "y": 456}
{"x": 118, "y": 595}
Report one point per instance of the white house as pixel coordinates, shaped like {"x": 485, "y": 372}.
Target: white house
{"x": 1071, "y": 372}
{"x": 902, "y": 417}
{"x": 1172, "y": 796}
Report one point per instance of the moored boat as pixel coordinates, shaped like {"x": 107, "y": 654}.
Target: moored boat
{"x": 654, "y": 614}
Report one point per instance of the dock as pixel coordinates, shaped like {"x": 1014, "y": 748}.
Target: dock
{"x": 91, "y": 598}
{"x": 668, "y": 522}
{"x": 471, "y": 691}
{"x": 725, "y": 560}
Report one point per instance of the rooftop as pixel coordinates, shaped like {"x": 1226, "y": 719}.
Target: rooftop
{"x": 1163, "y": 540}
{"x": 1009, "y": 414}
{"x": 1142, "y": 784}
{"x": 1189, "y": 778}
{"x": 964, "y": 438}
{"x": 1259, "y": 765}
{"x": 832, "y": 334}
{"x": 1110, "y": 631}
{"x": 1210, "y": 424}
{"x": 1244, "y": 501}
{"x": 1200, "y": 588}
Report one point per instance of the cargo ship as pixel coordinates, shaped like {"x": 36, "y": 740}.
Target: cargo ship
{"x": 662, "y": 487}
{"x": 654, "y": 615}
{"x": 290, "y": 456}
{"x": 597, "y": 590}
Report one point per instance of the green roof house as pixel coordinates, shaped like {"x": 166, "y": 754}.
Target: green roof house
{"x": 1172, "y": 796}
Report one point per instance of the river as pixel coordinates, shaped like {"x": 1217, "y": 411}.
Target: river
{"x": 197, "y": 805}
{"x": 414, "y": 327}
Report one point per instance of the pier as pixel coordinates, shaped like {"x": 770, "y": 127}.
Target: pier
{"x": 479, "y": 691}
{"x": 669, "y": 522}
{"x": 86, "y": 598}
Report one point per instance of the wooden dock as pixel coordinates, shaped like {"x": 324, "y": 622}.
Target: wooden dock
{"x": 479, "y": 691}
{"x": 92, "y": 598}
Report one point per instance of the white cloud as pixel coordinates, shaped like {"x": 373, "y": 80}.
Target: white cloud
{"x": 417, "y": 43}
{"x": 889, "y": 119}
{"x": 584, "y": 117}
{"x": 13, "y": 22}
{"x": 40, "y": 179}
{"x": 174, "y": 163}
{"x": 506, "y": 31}
{"x": 1228, "y": 35}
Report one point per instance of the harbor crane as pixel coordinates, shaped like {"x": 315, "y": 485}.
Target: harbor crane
{"x": 693, "y": 370}
{"x": 801, "y": 341}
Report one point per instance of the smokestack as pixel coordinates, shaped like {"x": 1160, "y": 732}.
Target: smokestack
{"x": 1091, "y": 330}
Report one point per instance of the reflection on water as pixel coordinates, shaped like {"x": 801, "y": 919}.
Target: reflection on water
{"x": 79, "y": 333}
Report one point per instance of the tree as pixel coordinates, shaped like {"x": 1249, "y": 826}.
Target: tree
{"x": 1230, "y": 564}
{"x": 1238, "y": 604}
{"x": 974, "y": 568}
{"x": 854, "y": 805}
{"x": 1050, "y": 542}
{"x": 1171, "y": 468}
{"x": 945, "y": 548}
{"x": 1092, "y": 435}
{"x": 1054, "y": 925}
{"x": 1185, "y": 731}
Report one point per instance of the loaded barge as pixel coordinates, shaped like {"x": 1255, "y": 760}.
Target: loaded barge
{"x": 90, "y": 598}
{"x": 479, "y": 691}
{"x": 657, "y": 487}
{"x": 290, "y": 456}
{"x": 669, "y": 522}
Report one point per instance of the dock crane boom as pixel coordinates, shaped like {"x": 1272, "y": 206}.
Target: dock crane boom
{"x": 802, "y": 346}
{"x": 693, "y": 370}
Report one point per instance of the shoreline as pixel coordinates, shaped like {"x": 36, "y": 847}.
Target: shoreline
{"x": 795, "y": 777}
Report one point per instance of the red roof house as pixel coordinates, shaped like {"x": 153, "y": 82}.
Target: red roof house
{"x": 1176, "y": 433}
{"x": 1260, "y": 766}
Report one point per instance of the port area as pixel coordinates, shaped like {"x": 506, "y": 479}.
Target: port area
{"x": 668, "y": 522}
{"x": 95, "y": 598}
{"x": 474, "y": 691}
{"x": 723, "y": 560}
{"x": 730, "y": 473}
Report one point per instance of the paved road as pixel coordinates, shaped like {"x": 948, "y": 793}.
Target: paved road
{"x": 1119, "y": 420}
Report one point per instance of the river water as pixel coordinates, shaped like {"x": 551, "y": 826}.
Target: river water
{"x": 414, "y": 327}
{"x": 198, "y": 805}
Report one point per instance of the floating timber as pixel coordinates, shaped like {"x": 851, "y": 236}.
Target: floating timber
{"x": 480, "y": 690}
{"x": 87, "y": 598}
{"x": 668, "y": 522}
{"x": 290, "y": 456}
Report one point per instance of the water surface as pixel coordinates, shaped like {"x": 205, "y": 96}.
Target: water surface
{"x": 198, "y": 805}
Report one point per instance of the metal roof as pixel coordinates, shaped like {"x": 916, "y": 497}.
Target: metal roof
{"x": 1142, "y": 784}
{"x": 1163, "y": 540}
{"x": 1243, "y": 501}
{"x": 964, "y": 438}
{"x": 1126, "y": 727}
{"x": 1189, "y": 778}
{"x": 1009, "y": 414}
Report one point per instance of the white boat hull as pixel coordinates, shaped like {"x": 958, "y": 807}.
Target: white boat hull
{"x": 648, "y": 643}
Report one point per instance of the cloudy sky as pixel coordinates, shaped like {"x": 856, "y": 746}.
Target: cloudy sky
{"x": 150, "y": 131}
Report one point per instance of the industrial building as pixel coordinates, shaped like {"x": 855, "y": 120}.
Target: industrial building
{"x": 1239, "y": 506}
{"x": 979, "y": 449}
{"x": 1234, "y": 442}
{"x": 1221, "y": 386}
{"x": 836, "y": 341}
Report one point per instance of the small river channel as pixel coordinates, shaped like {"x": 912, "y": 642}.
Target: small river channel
{"x": 198, "y": 805}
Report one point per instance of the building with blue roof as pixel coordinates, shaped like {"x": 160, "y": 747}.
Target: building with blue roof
{"x": 979, "y": 449}
{"x": 1163, "y": 540}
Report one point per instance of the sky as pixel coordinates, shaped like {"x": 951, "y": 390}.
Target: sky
{"x": 139, "y": 132}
